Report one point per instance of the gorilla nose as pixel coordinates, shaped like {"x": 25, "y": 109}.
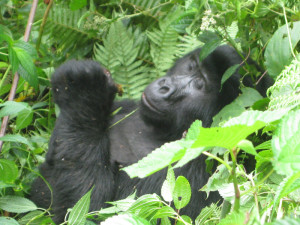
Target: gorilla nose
{"x": 164, "y": 87}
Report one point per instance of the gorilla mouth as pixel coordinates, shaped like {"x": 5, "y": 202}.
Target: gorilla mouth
{"x": 149, "y": 105}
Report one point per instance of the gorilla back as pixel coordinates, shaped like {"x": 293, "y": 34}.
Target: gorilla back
{"x": 84, "y": 152}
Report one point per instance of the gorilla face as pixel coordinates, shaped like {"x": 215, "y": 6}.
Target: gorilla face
{"x": 189, "y": 91}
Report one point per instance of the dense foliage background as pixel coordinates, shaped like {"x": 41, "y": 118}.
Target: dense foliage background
{"x": 138, "y": 40}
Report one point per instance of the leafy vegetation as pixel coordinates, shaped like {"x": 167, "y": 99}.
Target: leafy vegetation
{"x": 138, "y": 40}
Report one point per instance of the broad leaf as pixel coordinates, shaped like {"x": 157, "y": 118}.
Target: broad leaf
{"x": 278, "y": 52}
{"x": 8, "y": 171}
{"x": 157, "y": 160}
{"x": 77, "y": 4}
{"x": 228, "y": 73}
{"x": 8, "y": 221}
{"x": 16, "y": 204}
{"x": 12, "y": 108}
{"x": 24, "y": 118}
{"x": 182, "y": 192}
{"x": 16, "y": 138}
{"x": 79, "y": 211}
{"x": 286, "y": 144}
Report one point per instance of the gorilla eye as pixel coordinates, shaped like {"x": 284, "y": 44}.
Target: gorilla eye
{"x": 199, "y": 83}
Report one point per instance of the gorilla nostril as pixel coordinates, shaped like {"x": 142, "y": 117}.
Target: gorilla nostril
{"x": 164, "y": 90}
{"x": 162, "y": 82}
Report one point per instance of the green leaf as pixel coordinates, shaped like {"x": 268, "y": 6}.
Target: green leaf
{"x": 206, "y": 213}
{"x": 27, "y": 47}
{"x": 77, "y": 4}
{"x": 247, "y": 146}
{"x": 233, "y": 218}
{"x": 5, "y": 30}
{"x": 185, "y": 220}
{"x": 13, "y": 59}
{"x": 286, "y": 144}
{"x": 217, "y": 180}
{"x": 16, "y": 138}
{"x": 208, "y": 48}
{"x": 12, "y": 108}
{"x": 248, "y": 97}
{"x": 287, "y": 186}
{"x": 24, "y": 118}
{"x": 16, "y": 204}
{"x": 165, "y": 211}
{"x": 157, "y": 159}
{"x": 125, "y": 219}
{"x": 168, "y": 185}
{"x": 190, "y": 154}
{"x": 228, "y": 73}
{"x": 79, "y": 211}
{"x": 278, "y": 53}
{"x": 8, "y": 171}
{"x": 35, "y": 218}
{"x": 145, "y": 202}
{"x": 182, "y": 192}
{"x": 27, "y": 68}
{"x": 8, "y": 221}
{"x": 236, "y": 129}
{"x": 194, "y": 130}
{"x": 260, "y": 10}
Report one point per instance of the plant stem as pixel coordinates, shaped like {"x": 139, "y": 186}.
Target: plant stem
{"x": 38, "y": 42}
{"x": 288, "y": 31}
{"x": 218, "y": 159}
{"x": 237, "y": 197}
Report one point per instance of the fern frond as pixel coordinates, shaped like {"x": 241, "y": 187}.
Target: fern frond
{"x": 62, "y": 28}
{"x": 149, "y": 7}
{"x": 119, "y": 54}
{"x": 187, "y": 44}
{"x": 286, "y": 90}
{"x": 163, "y": 47}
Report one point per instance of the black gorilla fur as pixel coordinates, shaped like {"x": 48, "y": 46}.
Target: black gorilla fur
{"x": 84, "y": 152}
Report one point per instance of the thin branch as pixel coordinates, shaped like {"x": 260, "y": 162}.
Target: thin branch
{"x": 14, "y": 86}
{"x": 236, "y": 205}
{"x": 38, "y": 43}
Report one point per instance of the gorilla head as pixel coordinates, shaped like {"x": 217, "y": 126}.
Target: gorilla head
{"x": 191, "y": 90}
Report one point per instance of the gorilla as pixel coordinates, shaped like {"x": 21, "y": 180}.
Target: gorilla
{"x": 86, "y": 151}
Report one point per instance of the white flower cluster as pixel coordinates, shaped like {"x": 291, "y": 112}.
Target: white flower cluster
{"x": 94, "y": 25}
{"x": 207, "y": 20}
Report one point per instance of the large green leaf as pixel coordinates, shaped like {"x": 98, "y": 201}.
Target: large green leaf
{"x": 16, "y": 204}
{"x": 24, "y": 118}
{"x": 8, "y": 221}
{"x": 157, "y": 160}
{"x": 286, "y": 144}
{"x": 8, "y": 171}
{"x": 27, "y": 68}
{"x": 12, "y": 108}
{"x": 278, "y": 53}
{"x": 16, "y": 138}
{"x": 182, "y": 192}
{"x": 79, "y": 211}
{"x": 77, "y": 4}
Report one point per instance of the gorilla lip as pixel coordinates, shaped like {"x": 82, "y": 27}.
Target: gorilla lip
{"x": 147, "y": 103}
